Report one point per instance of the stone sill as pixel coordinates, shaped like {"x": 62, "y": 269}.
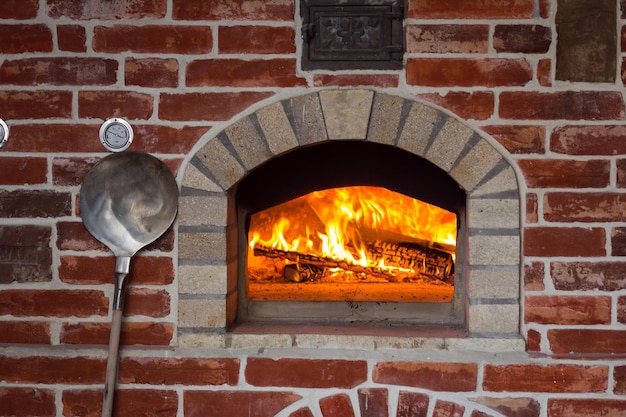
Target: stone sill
{"x": 254, "y": 337}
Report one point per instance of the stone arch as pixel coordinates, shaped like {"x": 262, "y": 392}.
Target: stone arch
{"x": 377, "y": 401}
{"x": 472, "y": 160}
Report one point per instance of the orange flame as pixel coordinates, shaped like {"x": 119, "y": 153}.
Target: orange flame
{"x": 335, "y": 223}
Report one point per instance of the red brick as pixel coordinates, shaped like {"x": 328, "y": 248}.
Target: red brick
{"x": 544, "y": 72}
{"x": 471, "y": 9}
{"x": 35, "y": 203}
{"x": 144, "y": 270}
{"x": 167, "y": 139}
{"x": 264, "y": 372}
{"x": 570, "y": 407}
{"x": 53, "y": 138}
{"x": 151, "y": 72}
{"x": 476, "y": 413}
{"x": 24, "y": 332}
{"x": 174, "y": 164}
{"x": 27, "y": 402}
{"x": 338, "y": 405}
{"x": 545, "y": 378}
{"x": 74, "y": 236}
{"x": 71, "y": 171}
{"x": 153, "y": 39}
{"x": 564, "y": 241}
{"x": 52, "y": 370}
{"x": 25, "y": 253}
{"x": 519, "y": 139}
{"x": 533, "y": 341}
{"x": 355, "y": 80}
{"x": 94, "y": 9}
{"x": 544, "y": 8}
{"x": 618, "y": 241}
{"x": 447, "y": 39}
{"x": 231, "y": 403}
{"x": 477, "y": 105}
{"x": 59, "y": 71}
{"x": 621, "y": 310}
{"x": 448, "y": 409}
{"x": 147, "y": 302}
{"x": 619, "y": 376}
{"x": 373, "y": 402}
{"x": 562, "y": 105}
{"x": 589, "y": 140}
{"x": 53, "y": 303}
{"x": 256, "y": 40}
{"x": 132, "y": 333}
{"x": 72, "y": 38}
{"x": 465, "y": 72}
{"x": 561, "y": 173}
{"x": 34, "y": 105}
{"x": 302, "y": 412}
{"x": 532, "y": 208}
{"x": 128, "y": 403}
{"x": 188, "y": 371}
{"x": 19, "y": 9}
{"x": 22, "y": 171}
{"x": 621, "y": 173}
{"x": 587, "y": 276}
{"x": 435, "y": 376}
{"x": 207, "y": 106}
{"x": 243, "y": 73}
{"x": 19, "y": 39}
{"x": 528, "y": 39}
{"x": 412, "y": 404}
{"x": 105, "y": 104}
{"x": 567, "y": 310}
{"x": 233, "y": 10}
{"x": 534, "y": 274}
{"x": 589, "y": 341}
{"x": 584, "y": 207}
{"x": 512, "y": 407}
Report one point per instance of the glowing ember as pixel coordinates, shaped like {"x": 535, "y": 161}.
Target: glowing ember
{"x": 361, "y": 233}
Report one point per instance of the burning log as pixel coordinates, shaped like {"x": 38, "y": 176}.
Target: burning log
{"x": 420, "y": 261}
{"x": 428, "y": 261}
{"x": 300, "y": 273}
{"x": 319, "y": 264}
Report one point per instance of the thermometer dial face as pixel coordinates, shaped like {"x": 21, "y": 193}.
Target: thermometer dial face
{"x": 4, "y": 133}
{"x": 116, "y": 134}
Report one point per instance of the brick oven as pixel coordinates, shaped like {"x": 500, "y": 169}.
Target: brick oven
{"x": 508, "y": 115}
{"x": 381, "y": 132}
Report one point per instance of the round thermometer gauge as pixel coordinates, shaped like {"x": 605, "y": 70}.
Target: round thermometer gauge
{"x": 116, "y": 134}
{"x": 4, "y": 133}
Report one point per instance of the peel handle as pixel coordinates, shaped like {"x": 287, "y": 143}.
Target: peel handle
{"x": 121, "y": 276}
{"x": 112, "y": 364}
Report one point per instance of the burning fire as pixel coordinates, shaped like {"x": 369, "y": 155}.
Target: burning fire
{"x": 339, "y": 223}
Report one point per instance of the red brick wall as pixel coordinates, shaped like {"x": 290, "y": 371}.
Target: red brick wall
{"x": 178, "y": 68}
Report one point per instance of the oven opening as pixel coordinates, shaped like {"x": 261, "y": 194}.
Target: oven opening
{"x": 355, "y": 243}
{"x": 346, "y": 232}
